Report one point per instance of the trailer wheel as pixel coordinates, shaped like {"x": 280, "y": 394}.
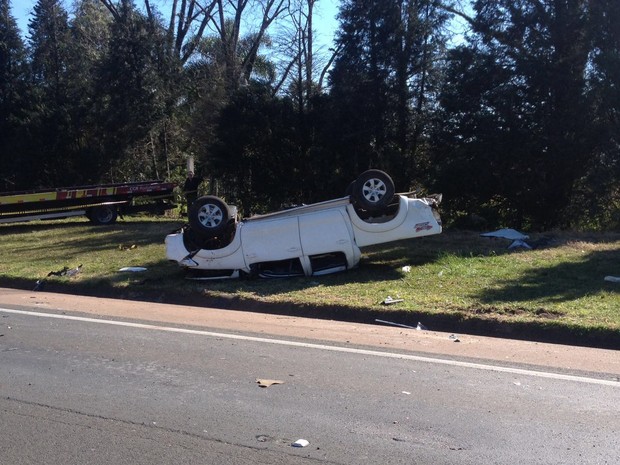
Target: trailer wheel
{"x": 102, "y": 214}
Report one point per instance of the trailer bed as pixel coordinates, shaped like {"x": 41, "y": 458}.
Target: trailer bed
{"x": 100, "y": 203}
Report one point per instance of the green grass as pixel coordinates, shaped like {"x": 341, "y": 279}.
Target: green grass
{"x": 458, "y": 276}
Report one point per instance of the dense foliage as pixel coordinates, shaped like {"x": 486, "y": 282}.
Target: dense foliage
{"x": 511, "y": 108}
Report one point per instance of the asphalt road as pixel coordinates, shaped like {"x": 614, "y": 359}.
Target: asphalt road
{"x": 98, "y": 381}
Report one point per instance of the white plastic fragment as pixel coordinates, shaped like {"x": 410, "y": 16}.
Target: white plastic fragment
{"x": 300, "y": 443}
{"x": 133, "y": 269}
{"x": 389, "y": 300}
{"x": 421, "y": 327}
{"x": 517, "y": 238}
{"x": 520, "y": 244}
{"x": 406, "y": 269}
{"x": 612, "y": 279}
{"x": 506, "y": 234}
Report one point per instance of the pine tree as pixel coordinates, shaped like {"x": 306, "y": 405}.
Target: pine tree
{"x": 383, "y": 81}
{"x": 516, "y": 110}
{"x": 51, "y": 158}
{"x": 139, "y": 86}
{"x": 13, "y": 98}
{"x": 90, "y": 33}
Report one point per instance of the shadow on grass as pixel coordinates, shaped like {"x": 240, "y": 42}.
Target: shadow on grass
{"x": 76, "y": 238}
{"x": 559, "y": 283}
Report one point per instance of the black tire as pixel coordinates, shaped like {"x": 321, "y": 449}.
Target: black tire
{"x": 208, "y": 216}
{"x": 374, "y": 190}
{"x": 102, "y": 214}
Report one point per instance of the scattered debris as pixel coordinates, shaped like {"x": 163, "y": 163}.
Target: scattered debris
{"x": 133, "y": 269}
{"x": 66, "y": 271}
{"x": 454, "y": 337}
{"x": 59, "y": 273}
{"x": 395, "y": 324}
{"x": 406, "y": 269}
{"x": 127, "y": 247}
{"x": 520, "y": 244}
{"x": 389, "y": 300}
{"x": 511, "y": 234}
{"x": 268, "y": 382}
{"x": 74, "y": 271}
{"x": 300, "y": 443}
{"x": 421, "y": 327}
{"x": 406, "y": 392}
{"x": 39, "y": 285}
{"x": 517, "y": 238}
{"x": 612, "y": 279}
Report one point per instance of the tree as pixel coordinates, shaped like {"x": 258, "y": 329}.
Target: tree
{"x": 534, "y": 57}
{"x": 241, "y": 56}
{"x": 51, "y": 123}
{"x": 298, "y": 69}
{"x": 598, "y": 190}
{"x": 132, "y": 94}
{"x": 181, "y": 54}
{"x": 187, "y": 23}
{"x": 255, "y": 153}
{"x": 383, "y": 81}
{"x": 13, "y": 97}
{"x": 90, "y": 33}
{"x": 483, "y": 144}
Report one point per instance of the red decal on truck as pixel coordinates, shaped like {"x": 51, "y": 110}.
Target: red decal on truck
{"x": 423, "y": 226}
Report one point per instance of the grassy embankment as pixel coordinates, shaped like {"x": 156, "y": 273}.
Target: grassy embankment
{"x": 459, "y": 281}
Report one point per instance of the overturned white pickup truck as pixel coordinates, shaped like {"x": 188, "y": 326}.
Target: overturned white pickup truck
{"x": 309, "y": 240}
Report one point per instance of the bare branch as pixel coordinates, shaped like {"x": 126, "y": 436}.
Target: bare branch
{"x": 149, "y": 12}
{"x": 111, "y": 8}
{"x": 285, "y": 73}
{"x": 207, "y": 13}
{"x": 335, "y": 54}
{"x": 250, "y": 59}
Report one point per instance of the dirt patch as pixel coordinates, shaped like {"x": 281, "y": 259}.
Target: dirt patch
{"x": 512, "y": 311}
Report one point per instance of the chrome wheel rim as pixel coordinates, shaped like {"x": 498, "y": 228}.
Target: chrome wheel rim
{"x": 210, "y": 216}
{"x": 374, "y": 190}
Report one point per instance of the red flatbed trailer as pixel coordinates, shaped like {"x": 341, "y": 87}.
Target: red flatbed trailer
{"x": 101, "y": 204}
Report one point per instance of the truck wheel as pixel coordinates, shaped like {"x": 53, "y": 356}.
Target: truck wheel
{"x": 373, "y": 190}
{"x": 102, "y": 214}
{"x": 208, "y": 216}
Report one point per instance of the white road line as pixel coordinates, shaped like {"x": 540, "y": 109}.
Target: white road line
{"x": 351, "y": 350}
